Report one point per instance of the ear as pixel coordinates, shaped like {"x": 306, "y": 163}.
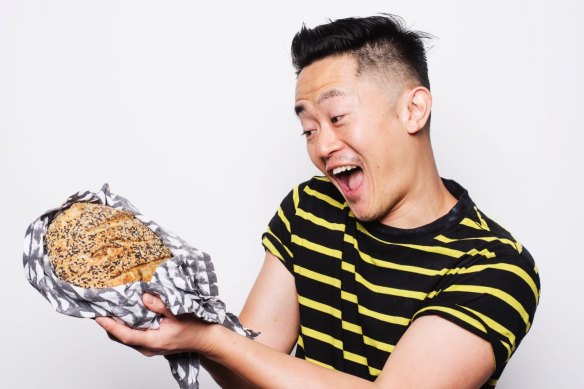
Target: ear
{"x": 419, "y": 106}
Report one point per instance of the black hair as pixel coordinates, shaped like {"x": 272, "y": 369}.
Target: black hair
{"x": 378, "y": 43}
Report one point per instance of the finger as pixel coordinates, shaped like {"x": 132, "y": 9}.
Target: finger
{"x": 113, "y": 338}
{"x": 121, "y": 333}
{"x": 102, "y": 321}
{"x": 156, "y": 305}
{"x": 108, "y": 324}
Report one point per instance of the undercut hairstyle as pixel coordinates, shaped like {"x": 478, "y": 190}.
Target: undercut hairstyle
{"x": 380, "y": 44}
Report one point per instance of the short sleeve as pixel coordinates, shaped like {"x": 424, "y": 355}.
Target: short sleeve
{"x": 278, "y": 236}
{"x": 495, "y": 299}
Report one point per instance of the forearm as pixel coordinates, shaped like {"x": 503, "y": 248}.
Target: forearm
{"x": 223, "y": 376}
{"x": 264, "y": 367}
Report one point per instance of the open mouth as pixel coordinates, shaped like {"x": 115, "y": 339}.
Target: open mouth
{"x": 349, "y": 177}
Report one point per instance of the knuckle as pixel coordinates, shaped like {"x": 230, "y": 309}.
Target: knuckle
{"x": 125, "y": 338}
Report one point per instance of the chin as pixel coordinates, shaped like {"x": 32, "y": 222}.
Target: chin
{"x": 362, "y": 215}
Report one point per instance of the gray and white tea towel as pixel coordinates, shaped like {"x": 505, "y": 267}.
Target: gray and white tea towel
{"x": 186, "y": 283}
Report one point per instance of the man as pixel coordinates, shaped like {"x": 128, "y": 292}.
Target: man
{"x": 381, "y": 273}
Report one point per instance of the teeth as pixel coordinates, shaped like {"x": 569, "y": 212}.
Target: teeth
{"x": 341, "y": 169}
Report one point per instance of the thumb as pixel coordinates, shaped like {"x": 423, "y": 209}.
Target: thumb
{"x": 155, "y": 304}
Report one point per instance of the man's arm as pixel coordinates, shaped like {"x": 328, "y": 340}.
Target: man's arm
{"x": 433, "y": 352}
{"x": 436, "y": 353}
{"x": 272, "y": 306}
{"x": 270, "y": 309}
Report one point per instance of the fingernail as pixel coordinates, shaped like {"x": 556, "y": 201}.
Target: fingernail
{"x": 147, "y": 298}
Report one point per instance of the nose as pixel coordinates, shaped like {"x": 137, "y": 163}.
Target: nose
{"x": 327, "y": 142}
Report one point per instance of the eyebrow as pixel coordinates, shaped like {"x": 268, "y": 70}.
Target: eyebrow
{"x": 328, "y": 94}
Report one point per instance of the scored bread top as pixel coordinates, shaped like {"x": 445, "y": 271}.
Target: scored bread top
{"x": 97, "y": 246}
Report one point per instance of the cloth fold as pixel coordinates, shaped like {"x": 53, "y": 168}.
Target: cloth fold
{"x": 187, "y": 284}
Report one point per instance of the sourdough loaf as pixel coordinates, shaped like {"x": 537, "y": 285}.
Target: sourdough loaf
{"x": 97, "y": 246}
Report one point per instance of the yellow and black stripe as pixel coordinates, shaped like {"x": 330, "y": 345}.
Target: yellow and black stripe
{"x": 360, "y": 284}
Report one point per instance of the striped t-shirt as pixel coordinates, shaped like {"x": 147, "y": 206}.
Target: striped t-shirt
{"x": 360, "y": 284}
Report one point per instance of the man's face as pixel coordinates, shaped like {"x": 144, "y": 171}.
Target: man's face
{"x": 356, "y": 134}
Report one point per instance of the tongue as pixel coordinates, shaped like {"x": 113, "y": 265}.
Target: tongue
{"x": 355, "y": 178}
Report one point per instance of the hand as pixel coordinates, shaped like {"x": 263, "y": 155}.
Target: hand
{"x": 176, "y": 333}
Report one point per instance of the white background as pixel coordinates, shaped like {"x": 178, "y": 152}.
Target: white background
{"x": 185, "y": 108}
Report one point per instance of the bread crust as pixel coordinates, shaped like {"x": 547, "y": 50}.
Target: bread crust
{"x": 96, "y": 246}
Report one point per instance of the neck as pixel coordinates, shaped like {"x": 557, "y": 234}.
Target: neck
{"x": 425, "y": 201}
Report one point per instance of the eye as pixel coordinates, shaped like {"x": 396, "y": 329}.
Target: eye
{"x": 307, "y": 133}
{"x": 335, "y": 119}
